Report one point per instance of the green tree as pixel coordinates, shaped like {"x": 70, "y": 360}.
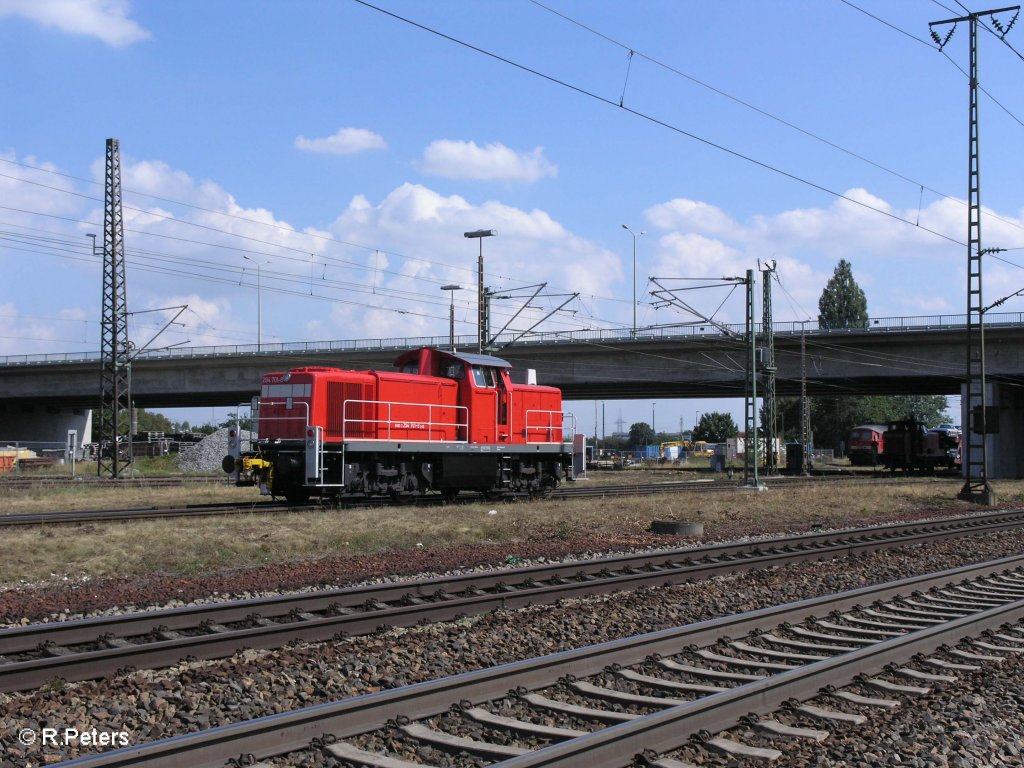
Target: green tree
{"x": 715, "y": 427}
{"x": 842, "y": 303}
{"x": 153, "y": 422}
{"x": 787, "y": 411}
{"x": 929, "y": 410}
{"x": 615, "y": 443}
{"x": 640, "y": 434}
{"x": 833, "y": 417}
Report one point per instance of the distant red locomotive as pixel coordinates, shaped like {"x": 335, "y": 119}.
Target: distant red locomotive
{"x": 865, "y": 443}
{"x": 444, "y": 421}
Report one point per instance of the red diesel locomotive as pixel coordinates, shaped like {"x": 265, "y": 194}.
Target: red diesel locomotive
{"x": 865, "y": 444}
{"x": 443, "y": 421}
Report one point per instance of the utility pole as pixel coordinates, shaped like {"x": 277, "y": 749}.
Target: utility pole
{"x": 805, "y": 411}
{"x": 976, "y": 486}
{"x": 750, "y": 393}
{"x": 771, "y": 458}
{"x": 115, "y": 366}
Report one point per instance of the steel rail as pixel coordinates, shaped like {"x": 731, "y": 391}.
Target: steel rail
{"x": 290, "y": 731}
{"x": 152, "y": 513}
{"x": 614, "y": 746}
{"x": 29, "y": 479}
{"x": 365, "y": 609}
{"x": 720, "y": 485}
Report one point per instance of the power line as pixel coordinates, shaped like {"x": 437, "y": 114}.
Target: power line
{"x": 945, "y": 55}
{"x": 765, "y": 113}
{"x": 656, "y": 121}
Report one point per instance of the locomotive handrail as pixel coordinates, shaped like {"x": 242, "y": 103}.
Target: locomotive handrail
{"x": 430, "y": 425}
{"x": 548, "y": 428}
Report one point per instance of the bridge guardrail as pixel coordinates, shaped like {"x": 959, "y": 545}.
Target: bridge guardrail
{"x": 605, "y": 335}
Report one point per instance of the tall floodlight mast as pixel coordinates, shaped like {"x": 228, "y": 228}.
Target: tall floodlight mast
{"x": 974, "y": 451}
{"x": 482, "y": 314}
{"x": 115, "y": 364}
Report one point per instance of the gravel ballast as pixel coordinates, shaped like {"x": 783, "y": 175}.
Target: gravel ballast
{"x": 156, "y": 704}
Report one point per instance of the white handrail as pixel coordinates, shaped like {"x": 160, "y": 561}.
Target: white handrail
{"x": 429, "y": 425}
{"x": 547, "y": 425}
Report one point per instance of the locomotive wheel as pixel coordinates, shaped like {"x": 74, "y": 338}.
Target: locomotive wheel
{"x": 296, "y": 495}
{"x": 448, "y": 495}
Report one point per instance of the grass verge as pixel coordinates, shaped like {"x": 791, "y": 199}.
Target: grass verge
{"x": 128, "y": 549}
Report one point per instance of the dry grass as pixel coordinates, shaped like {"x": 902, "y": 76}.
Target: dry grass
{"x": 201, "y": 544}
{"x": 89, "y": 495}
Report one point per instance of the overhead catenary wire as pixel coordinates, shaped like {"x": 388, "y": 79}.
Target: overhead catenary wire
{"x": 300, "y": 255}
{"x": 771, "y": 116}
{"x": 658, "y": 122}
{"x": 208, "y": 267}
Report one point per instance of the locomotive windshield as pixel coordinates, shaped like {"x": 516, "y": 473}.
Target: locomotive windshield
{"x": 484, "y": 377}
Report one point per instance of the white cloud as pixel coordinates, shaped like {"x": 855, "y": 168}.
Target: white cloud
{"x": 904, "y": 269}
{"x": 494, "y": 162}
{"x": 691, "y": 214}
{"x": 105, "y": 19}
{"x": 347, "y": 141}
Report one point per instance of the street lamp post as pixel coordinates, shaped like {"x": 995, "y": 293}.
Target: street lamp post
{"x": 259, "y": 303}
{"x": 481, "y": 319}
{"x": 634, "y": 234}
{"x": 452, "y": 287}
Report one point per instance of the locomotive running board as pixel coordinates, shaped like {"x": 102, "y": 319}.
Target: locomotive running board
{"x": 426, "y": 446}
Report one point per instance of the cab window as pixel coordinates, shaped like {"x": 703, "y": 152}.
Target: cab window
{"x": 454, "y": 369}
{"x": 413, "y": 367}
{"x": 483, "y": 377}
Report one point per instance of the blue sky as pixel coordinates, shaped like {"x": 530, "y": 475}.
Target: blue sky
{"x": 347, "y": 151}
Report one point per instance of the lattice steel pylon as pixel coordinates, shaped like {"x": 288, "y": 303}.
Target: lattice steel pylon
{"x": 974, "y": 449}
{"x": 769, "y": 427}
{"x": 115, "y": 443}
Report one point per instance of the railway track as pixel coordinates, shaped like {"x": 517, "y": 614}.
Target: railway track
{"x": 202, "y": 510}
{"x": 25, "y": 481}
{"x": 831, "y": 661}
{"x": 150, "y": 513}
{"x": 33, "y": 655}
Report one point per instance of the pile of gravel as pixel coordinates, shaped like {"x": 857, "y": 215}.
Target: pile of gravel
{"x": 208, "y": 453}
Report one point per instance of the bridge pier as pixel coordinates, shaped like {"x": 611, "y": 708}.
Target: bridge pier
{"x": 43, "y": 427}
{"x": 1005, "y": 460}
